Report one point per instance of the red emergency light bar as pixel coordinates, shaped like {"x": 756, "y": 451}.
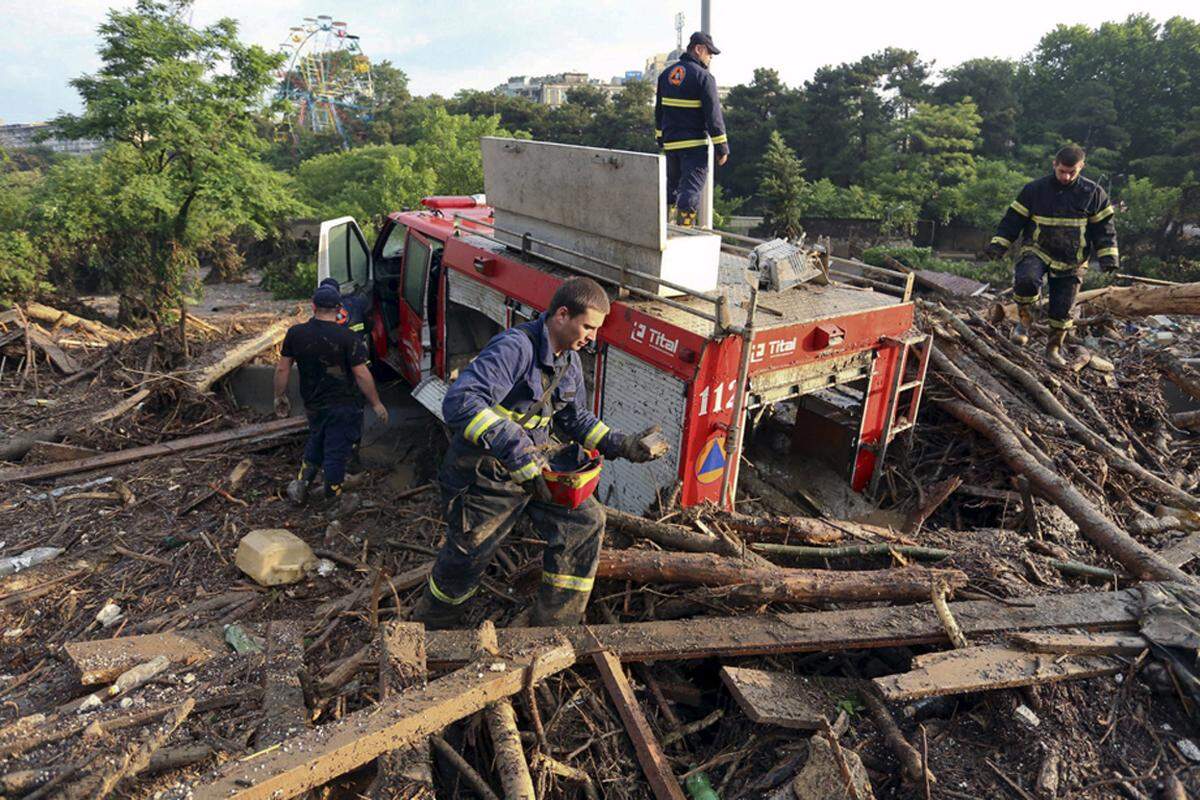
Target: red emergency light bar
{"x": 441, "y": 202}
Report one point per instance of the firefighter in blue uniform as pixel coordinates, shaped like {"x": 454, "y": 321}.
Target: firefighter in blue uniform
{"x": 1063, "y": 219}
{"x": 352, "y": 314}
{"x": 501, "y": 412}
{"x": 687, "y": 114}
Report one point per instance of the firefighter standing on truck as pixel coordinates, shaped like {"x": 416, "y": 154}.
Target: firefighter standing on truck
{"x": 687, "y": 114}
{"x": 1064, "y": 219}
{"x": 500, "y": 411}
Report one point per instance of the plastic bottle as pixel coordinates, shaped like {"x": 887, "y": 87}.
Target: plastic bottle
{"x": 699, "y": 788}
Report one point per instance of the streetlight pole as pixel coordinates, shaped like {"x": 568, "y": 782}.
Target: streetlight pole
{"x": 705, "y": 18}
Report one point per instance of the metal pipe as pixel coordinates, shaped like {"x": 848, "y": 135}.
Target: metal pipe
{"x": 738, "y": 422}
{"x": 738, "y": 237}
{"x": 706, "y": 16}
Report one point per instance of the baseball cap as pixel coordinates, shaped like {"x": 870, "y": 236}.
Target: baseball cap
{"x": 700, "y": 37}
{"x": 327, "y": 296}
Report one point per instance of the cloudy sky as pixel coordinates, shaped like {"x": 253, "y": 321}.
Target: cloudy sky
{"x": 476, "y": 43}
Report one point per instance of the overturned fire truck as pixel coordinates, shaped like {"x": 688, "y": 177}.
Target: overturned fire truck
{"x": 707, "y": 331}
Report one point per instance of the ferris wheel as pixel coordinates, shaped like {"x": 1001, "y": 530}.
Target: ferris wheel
{"x": 327, "y": 77}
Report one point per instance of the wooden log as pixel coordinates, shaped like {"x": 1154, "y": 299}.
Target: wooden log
{"x": 1145, "y": 300}
{"x": 986, "y": 668}
{"x": 1182, "y": 376}
{"x": 506, "y": 739}
{"x": 285, "y": 712}
{"x": 102, "y": 660}
{"x": 44, "y": 313}
{"x": 817, "y": 631}
{"x": 226, "y": 361}
{"x": 261, "y": 430}
{"x": 57, "y": 451}
{"x": 853, "y": 551}
{"x": 307, "y": 761}
{"x": 1087, "y": 644}
{"x": 938, "y": 494}
{"x": 1188, "y": 420}
{"x": 672, "y": 537}
{"x": 791, "y": 585}
{"x": 801, "y": 702}
{"x": 650, "y": 755}
{"x": 810, "y": 530}
{"x": 1046, "y": 399}
{"x": 912, "y": 764}
{"x": 1140, "y": 560}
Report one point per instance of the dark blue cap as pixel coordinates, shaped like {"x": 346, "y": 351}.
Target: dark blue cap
{"x": 331, "y": 282}
{"x": 327, "y": 296}
{"x": 700, "y": 37}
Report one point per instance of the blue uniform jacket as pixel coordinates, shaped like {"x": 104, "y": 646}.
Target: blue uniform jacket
{"x": 687, "y": 110}
{"x": 504, "y": 381}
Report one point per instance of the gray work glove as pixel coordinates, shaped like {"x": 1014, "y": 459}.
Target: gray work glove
{"x": 635, "y": 449}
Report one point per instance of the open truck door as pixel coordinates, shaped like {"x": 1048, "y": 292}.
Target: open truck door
{"x": 422, "y": 259}
{"x": 342, "y": 254}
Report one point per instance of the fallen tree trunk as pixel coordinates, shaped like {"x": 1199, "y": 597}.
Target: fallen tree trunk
{"x": 781, "y": 584}
{"x": 1181, "y": 376}
{"x": 43, "y": 313}
{"x": 672, "y": 537}
{"x": 1140, "y": 560}
{"x": 201, "y": 380}
{"x": 1143, "y": 301}
{"x": 259, "y": 430}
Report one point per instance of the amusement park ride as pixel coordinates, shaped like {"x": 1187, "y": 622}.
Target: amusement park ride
{"x": 327, "y": 77}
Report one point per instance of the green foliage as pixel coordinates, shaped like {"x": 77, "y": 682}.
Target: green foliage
{"x": 22, "y": 267}
{"x": 178, "y": 104}
{"x": 982, "y": 202}
{"x": 781, "y": 186}
{"x": 997, "y": 273}
{"x": 287, "y": 281}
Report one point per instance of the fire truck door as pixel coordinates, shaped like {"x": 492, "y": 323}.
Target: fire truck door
{"x": 342, "y": 254}
{"x": 386, "y": 261}
{"x": 414, "y": 333}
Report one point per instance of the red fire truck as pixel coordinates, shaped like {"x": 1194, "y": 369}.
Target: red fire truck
{"x": 443, "y": 279}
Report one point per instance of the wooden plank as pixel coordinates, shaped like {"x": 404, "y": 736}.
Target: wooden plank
{"x": 286, "y": 713}
{"x": 1094, "y": 644}
{"x": 316, "y": 757}
{"x": 408, "y": 771}
{"x": 1183, "y": 551}
{"x": 262, "y": 429}
{"x": 44, "y": 452}
{"x": 803, "y": 702}
{"x": 975, "y": 669}
{"x": 850, "y": 629}
{"x": 102, "y": 660}
{"x": 649, "y": 754}
{"x": 42, "y": 341}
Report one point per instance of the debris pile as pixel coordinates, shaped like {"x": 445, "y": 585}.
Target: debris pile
{"x": 1019, "y": 617}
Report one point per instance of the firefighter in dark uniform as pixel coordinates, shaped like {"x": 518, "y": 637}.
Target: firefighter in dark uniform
{"x": 334, "y": 379}
{"x": 687, "y": 115}
{"x": 352, "y": 314}
{"x": 501, "y": 412}
{"x": 1063, "y": 219}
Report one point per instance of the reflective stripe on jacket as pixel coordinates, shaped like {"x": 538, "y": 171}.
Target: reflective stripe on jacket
{"x": 487, "y": 405}
{"x": 1061, "y": 225}
{"x": 687, "y": 110}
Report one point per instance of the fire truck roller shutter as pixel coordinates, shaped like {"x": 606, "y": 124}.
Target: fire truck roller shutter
{"x": 635, "y": 395}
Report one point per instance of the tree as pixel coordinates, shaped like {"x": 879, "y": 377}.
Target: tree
{"x": 992, "y": 84}
{"x": 178, "y": 103}
{"x": 752, "y": 112}
{"x": 782, "y": 186}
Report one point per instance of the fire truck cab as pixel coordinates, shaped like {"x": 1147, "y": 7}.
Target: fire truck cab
{"x": 707, "y": 330}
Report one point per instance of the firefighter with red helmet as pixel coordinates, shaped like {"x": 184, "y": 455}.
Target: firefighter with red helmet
{"x": 1063, "y": 219}
{"x": 501, "y": 411}
{"x": 687, "y": 116}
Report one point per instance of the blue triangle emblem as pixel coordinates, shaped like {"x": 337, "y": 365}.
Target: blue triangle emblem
{"x": 715, "y": 459}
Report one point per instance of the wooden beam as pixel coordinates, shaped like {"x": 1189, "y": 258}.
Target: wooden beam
{"x": 42, "y": 341}
{"x": 106, "y": 460}
{"x": 285, "y": 712}
{"x": 1182, "y": 551}
{"x": 802, "y": 702}
{"x": 649, "y": 754}
{"x": 307, "y": 761}
{"x": 102, "y": 660}
{"x": 850, "y": 629}
{"x": 976, "y": 669}
{"x": 1092, "y": 644}
{"x": 406, "y": 772}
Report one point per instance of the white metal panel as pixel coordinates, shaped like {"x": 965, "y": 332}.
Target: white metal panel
{"x": 430, "y": 393}
{"x": 477, "y": 295}
{"x": 637, "y": 395}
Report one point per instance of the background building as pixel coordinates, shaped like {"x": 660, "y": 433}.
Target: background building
{"x": 16, "y": 137}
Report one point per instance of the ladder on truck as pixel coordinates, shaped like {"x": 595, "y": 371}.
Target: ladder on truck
{"x": 904, "y": 400}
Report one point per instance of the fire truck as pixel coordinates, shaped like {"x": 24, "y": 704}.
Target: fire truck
{"x": 708, "y": 330}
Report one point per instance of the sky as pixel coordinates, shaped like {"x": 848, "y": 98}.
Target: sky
{"x": 473, "y": 44}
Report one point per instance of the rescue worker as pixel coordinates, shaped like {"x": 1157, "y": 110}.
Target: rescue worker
{"x": 334, "y": 378}
{"x": 687, "y": 114}
{"x": 1063, "y": 219}
{"x": 500, "y": 411}
{"x": 352, "y": 314}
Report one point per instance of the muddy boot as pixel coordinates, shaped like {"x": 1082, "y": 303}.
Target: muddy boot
{"x": 1020, "y": 333}
{"x": 687, "y": 219}
{"x": 297, "y": 489}
{"x": 555, "y": 606}
{"x": 435, "y": 614}
{"x": 672, "y": 215}
{"x": 1054, "y": 346}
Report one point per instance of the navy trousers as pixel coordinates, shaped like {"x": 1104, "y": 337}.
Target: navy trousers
{"x": 686, "y": 172}
{"x": 1063, "y": 287}
{"x": 332, "y": 434}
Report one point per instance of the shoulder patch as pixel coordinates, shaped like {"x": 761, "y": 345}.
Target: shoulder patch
{"x": 677, "y": 75}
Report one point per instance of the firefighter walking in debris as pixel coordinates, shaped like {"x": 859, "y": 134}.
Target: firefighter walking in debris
{"x": 687, "y": 114}
{"x": 1064, "y": 219}
{"x": 501, "y": 412}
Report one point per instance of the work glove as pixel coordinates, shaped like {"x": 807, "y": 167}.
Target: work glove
{"x": 635, "y": 448}
{"x": 994, "y": 251}
{"x": 537, "y": 488}
{"x": 283, "y": 406}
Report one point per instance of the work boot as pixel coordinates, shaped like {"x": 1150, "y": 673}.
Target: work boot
{"x": 1020, "y": 334}
{"x": 672, "y": 215}
{"x": 555, "y": 606}
{"x": 435, "y": 614}
{"x": 687, "y": 219}
{"x": 354, "y": 465}
{"x": 1054, "y": 346}
{"x": 341, "y": 504}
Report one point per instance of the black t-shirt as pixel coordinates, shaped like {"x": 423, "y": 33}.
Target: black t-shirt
{"x": 325, "y": 352}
